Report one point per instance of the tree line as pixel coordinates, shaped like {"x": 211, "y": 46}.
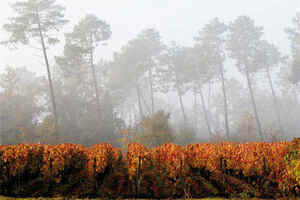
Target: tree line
{"x": 87, "y": 100}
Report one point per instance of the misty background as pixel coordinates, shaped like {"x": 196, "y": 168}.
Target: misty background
{"x": 175, "y": 20}
{"x": 128, "y": 111}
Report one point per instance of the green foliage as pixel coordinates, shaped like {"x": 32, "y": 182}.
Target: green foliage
{"x": 294, "y": 36}
{"x": 79, "y": 122}
{"x": 33, "y": 16}
{"x": 135, "y": 58}
{"x": 46, "y": 131}
{"x": 246, "y": 128}
{"x": 156, "y": 130}
{"x": 295, "y": 72}
{"x": 85, "y": 119}
{"x": 151, "y": 131}
{"x": 176, "y": 74}
{"x": 243, "y": 43}
{"x": 81, "y": 43}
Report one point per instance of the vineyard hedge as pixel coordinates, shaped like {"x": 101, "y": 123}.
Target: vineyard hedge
{"x": 198, "y": 170}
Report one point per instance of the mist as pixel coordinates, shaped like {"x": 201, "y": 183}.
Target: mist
{"x": 149, "y": 72}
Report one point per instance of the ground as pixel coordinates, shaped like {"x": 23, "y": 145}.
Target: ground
{"x": 8, "y": 198}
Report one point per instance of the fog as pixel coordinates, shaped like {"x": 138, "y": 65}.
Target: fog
{"x": 127, "y": 71}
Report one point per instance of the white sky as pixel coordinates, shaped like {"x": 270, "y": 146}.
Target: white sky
{"x": 177, "y": 20}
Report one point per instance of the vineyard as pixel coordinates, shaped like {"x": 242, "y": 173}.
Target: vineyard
{"x": 263, "y": 170}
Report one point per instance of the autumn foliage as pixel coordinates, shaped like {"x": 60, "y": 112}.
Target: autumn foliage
{"x": 227, "y": 169}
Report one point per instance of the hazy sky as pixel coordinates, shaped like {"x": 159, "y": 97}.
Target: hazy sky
{"x": 177, "y": 20}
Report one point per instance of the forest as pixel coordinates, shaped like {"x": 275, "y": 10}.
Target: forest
{"x": 230, "y": 85}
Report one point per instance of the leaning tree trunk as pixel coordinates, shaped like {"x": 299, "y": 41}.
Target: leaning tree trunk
{"x": 195, "y": 106}
{"x": 181, "y": 106}
{"x": 225, "y": 102}
{"x": 138, "y": 92}
{"x": 295, "y": 93}
{"x": 151, "y": 91}
{"x": 276, "y": 105}
{"x": 54, "y": 110}
{"x": 145, "y": 103}
{"x": 95, "y": 80}
{"x": 205, "y": 111}
{"x": 180, "y": 100}
{"x": 253, "y": 103}
{"x": 209, "y": 94}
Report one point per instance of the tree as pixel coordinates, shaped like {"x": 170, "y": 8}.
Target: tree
{"x": 73, "y": 97}
{"x": 46, "y": 131}
{"x": 37, "y": 19}
{"x": 126, "y": 74}
{"x": 150, "y": 45}
{"x": 175, "y": 74}
{"x": 243, "y": 44}
{"x": 237, "y": 98}
{"x": 134, "y": 63}
{"x": 294, "y": 37}
{"x": 271, "y": 57}
{"x": 200, "y": 71}
{"x": 212, "y": 37}
{"x": 151, "y": 131}
{"x": 80, "y": 48}
{"x": 20, "y": 106}
{"x": 79, "y": 115}
{"x": 246, "y": 129}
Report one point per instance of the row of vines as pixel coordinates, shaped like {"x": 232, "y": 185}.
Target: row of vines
{"x": 197, "y": 170}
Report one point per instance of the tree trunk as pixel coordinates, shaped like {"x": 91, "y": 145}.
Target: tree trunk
{"x": 181, "y": 106}
{"x": 195, "y": 97}
{"x": 95, "y": 80}
{"x": 209, "y": 95}
{"x": 205, "y": 111}
{"x": 295, "y": 93}
{"x": 180, "y": 99}
{"x": 49, "y": 76}
{"x": 276, "y": 105}
{"x": 145, "y": 103}
{"x": 253, "y": 103}
{"x": 151, "y": 91}
{"x": 208, "y": 105}
{"x": 195, "y": 107}
{"x": 225, "y": 102}
{"x": 138, "y": 92}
